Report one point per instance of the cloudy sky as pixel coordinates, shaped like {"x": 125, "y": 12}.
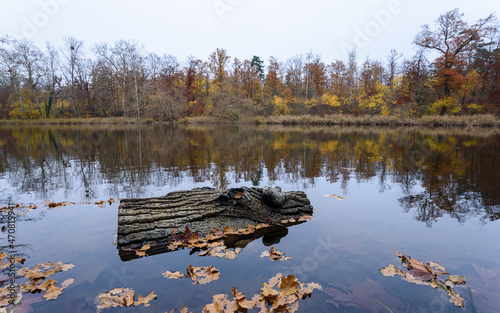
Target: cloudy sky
{"x": 282, "y": 28}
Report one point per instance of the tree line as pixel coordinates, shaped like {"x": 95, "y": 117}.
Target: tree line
{"x": 455, "y": 70}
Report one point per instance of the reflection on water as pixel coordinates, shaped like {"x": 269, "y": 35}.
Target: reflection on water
{"x": 439, "y": 172}
{"x": 431, "y": 194}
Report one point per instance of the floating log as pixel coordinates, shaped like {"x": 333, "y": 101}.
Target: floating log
{"x": 152, "y": 220}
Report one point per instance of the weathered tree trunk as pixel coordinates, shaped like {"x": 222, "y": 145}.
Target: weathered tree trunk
{"x": 202, "y": 209}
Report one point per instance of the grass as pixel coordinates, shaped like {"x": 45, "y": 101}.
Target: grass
{"x": 480, "y": 120}
{"x": 483, "y": 120}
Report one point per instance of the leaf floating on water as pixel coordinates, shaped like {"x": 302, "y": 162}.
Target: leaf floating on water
{"x": 283, "y": 300}
{"x": 241, "y": 300}
{"x": 203, "y": 275}
{"x": 145, "y": 300}
{"x": 454, "y": 280}
{"x": 57, "y": 205}
{"x": 36, "y": 274}
{"x": 334, "y": 197}
{"x": 36, "y": 280}
{"x": 184, "y": 310}
{"x": 52, "y": 291}
{"x": 199, "y": 275}
{"x": 174, "y": 275}
{"x": 122, "y": 297}
{"x": 275, "y": 255}
{"x": 428, "y": 273}
{"x": 113, "y": 298}
{"x": 391, "y": 271}
{"x": 289, "y": 285}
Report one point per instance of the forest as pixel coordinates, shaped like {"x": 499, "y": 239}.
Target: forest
{"x": 455, "y": 70}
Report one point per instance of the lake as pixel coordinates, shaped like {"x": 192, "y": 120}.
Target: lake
{"x": 432, "y": 194}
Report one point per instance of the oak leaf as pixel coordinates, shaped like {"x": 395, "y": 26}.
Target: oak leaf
{"x": 174, "y": 275}
{"x": 289, "y": 285}
{"x": 145, "y": 300}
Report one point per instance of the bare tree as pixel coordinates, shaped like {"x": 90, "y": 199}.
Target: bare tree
{"x": 125, "y": 57}
{"x": 11, "y": 72}
{"x": 53, "y": 79}
{"x": 72, "y": 52}
{"x": 31, "y": 59}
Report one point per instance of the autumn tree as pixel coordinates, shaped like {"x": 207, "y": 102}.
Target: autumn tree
{"x": 273, "y": 82}
{"x": 219, "y": 60}
{"x": 451, "y": 38}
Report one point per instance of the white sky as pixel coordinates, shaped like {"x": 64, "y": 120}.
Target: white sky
{"x": 282, "y": 28}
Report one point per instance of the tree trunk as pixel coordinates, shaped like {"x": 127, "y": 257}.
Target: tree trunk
{"x": 202, "y": 209}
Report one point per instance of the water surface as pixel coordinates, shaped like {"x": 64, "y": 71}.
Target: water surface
{"x": 431, "y": 194}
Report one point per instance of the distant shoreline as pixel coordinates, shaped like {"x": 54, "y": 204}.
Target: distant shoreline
{"x": 479, "y": 120}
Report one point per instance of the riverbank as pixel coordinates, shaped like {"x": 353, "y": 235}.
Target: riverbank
{"x": 479, "y": 120}
{"x": 80, "y": 121}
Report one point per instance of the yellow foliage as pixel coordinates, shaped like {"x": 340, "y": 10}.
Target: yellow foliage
{"x": 331, "y": 100}
{"x": 312, "y": 102}
{"x": 281, "y": 107}
{"x": 448, "y": 105}
{"x": 385, "y": 110}
{"x": 475, "y": 107}
{"x": 373, "y": 104}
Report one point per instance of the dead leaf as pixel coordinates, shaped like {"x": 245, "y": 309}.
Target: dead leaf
{"x": 275, "y": 255}
{"x": 122, "y": 297}
{"x": 113, "y": 298}
{"x": 391, "y": 271}
{"x": 174, "y": 275}
{"x": 421, "y": 273}
{"x": 278, "y": 300}
{"x": 289, "y": 285}
{"x": 229, "y": 230}
{"x": 241, "y": 300}
{"x": 52, "y": 292}
{"x": 334, "y": 197}
{"x": 453, "y": 280}
{"x": 145, "y": 300}
{"x": 203, "y": 275}
{"x": 238, "y": 195}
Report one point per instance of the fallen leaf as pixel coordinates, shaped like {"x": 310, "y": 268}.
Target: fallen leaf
{"x": 391, "y": 271}
{"x": 174, "y": 275}
{"x": 122, "y": 297}
{"x": 113, "y": 298}
{"x": 334, "y": 197}
{"x": 274, "y": 255}
{"x": 428, "y": 273}
{"x": 52, "y": 292}
{"x": 289, "y": 285}
{"x": 238, "y": 195}
{"x": 203, "y": 275}
{"x": 145, "y": 300}
{"x": 241, "y": 300}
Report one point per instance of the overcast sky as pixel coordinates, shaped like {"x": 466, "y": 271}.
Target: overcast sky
{"x": 282, "y": 28}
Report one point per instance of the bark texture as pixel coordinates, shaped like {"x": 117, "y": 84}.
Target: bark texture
{"x": 202, "y": 209}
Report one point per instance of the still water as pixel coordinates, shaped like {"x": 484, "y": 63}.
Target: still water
{"x": 431, "y": 194}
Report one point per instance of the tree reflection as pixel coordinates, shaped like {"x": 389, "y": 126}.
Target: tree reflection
{"x": 440, "y": 172}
